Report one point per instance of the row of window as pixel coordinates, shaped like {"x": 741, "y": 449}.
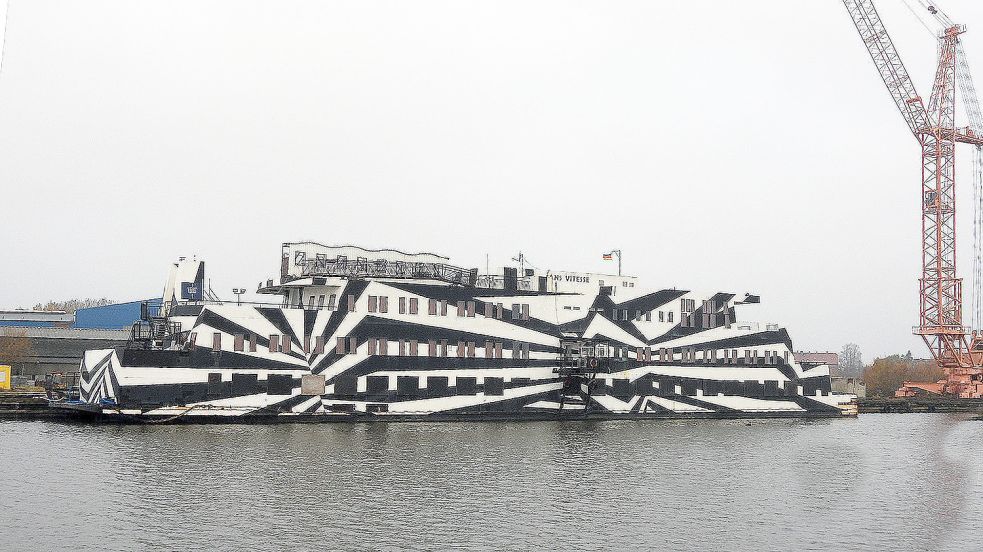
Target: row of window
{"x": 417, "y": 386}
{"x": 435, "y": 348}
{"x": 626, "y": 314}
{"x": 686, "y": 319}
{"x": 374, "y": 346}
{"x": 277, "y": 343}
{"x": 462, "y": 349}
{"x": 689, "y": 354}
{"x": 410, "y": 305}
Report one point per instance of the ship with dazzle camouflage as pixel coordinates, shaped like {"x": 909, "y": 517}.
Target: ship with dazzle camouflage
{"x": 352, "y": 334}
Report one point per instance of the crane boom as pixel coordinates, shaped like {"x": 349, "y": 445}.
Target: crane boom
{"x": 888, "y": 63}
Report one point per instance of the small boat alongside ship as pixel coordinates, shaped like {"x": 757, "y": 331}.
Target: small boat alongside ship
{"x": 353, "y": 334}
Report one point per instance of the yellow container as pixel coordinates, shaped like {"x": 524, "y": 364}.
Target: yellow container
{"x": 5, "y": 377}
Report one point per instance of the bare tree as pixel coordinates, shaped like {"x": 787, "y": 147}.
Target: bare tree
{"x": 72, "y": 305}
{"x": 851, "y": 360}
{"x": 15, "y": 347}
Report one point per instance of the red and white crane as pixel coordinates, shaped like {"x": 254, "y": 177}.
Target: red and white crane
{"x": 957, "y": 350}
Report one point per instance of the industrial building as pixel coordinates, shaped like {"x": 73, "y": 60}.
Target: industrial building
{"x": 53, "y": 342}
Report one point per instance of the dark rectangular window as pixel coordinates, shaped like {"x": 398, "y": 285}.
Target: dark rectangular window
{"x": 470, "y": 349}
{"x": 373, "y": 303}
{"x": 525, "y": 350}
{"x": 432, "y": 347}
{"x": 414, "y": 305}
{"x": 310, "y": 303}
{"x": 383, "y": 347}
{"x": 285, "y": 345}
{"x": 320, "y": 301}
{"x": 489, "y": 350}
{"x": 516, "y": 349}
{"x": 489, "y": 310}
{"x": 414, "y": 348}
{"x": 319, "y": 345}
{"x": 376, "y": 385}
{"x": 432, "y": 307}
{"x": 346, "y": 385}
{"x": 215, "y": 388}
{"x": 252, "y": 343}
{"x": 351, "y": 303}
{"x": 516, "y": 311}
{"x": 470, "y": 308}
{"x": 408, "y": 386}
{"x": 352, "y": 345}
{"x": 240, "y": 342}
{"x": 443, "y": 307}
{"x": 370, "y": 346}
{"x": 498, "y": 350}
{"x": 443, "y": 347}
{"x": 279, "y": 384}
{"x": 216, "y": 341}
{"x": 460, "y": 349}
{"x": 274, "y": 343}
{"x": 648, "y": 316}
{"x": 437, "y": 386}
{"x": 466, "y": 385}
{"x": 383, "y": 304}
{"x": 307, "y": 344}
{"x": 340, "y": 347}
{"x": 460, "y": 308}
{"x": 244, "y": 384}
{"x": 402, "y": 305}
{"x": 332, "y": 301}
{"x": 494, "y": 386}
{"x": 662, "y": 316}
{"x": 402, "y": 347}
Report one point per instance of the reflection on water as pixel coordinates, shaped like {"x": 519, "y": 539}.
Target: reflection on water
{"x": 896, "y": 482}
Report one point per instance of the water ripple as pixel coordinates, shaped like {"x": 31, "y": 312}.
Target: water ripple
{"x": 895, "y": 482}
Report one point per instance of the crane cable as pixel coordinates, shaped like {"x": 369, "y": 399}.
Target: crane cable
{"x": 3, "y": 42}
{"x": 977, "y": 238}
{"x": 908, "y": 5}
{"x": 971, "y": 105}
{"x": 937, "y": 11}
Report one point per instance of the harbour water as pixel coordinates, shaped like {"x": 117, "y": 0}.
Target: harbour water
{"x": 879, "y": 482}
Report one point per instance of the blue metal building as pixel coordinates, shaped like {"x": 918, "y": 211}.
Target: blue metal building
{"x": 110, "y": 317}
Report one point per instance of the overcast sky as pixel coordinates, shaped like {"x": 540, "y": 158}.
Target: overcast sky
{"x": 722, "y": 145}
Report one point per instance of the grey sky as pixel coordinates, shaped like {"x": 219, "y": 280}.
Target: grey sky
{"x": 741, "y": 146}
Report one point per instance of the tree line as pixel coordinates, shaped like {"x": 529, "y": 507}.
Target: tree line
{"x": 885, "y": 375}
{"x": 72, "y": 305}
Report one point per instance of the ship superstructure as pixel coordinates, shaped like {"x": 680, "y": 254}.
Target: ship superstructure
{"x": 358, "y": 334}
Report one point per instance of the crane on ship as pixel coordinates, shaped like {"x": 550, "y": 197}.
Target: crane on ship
{"x": 956, "y": 349}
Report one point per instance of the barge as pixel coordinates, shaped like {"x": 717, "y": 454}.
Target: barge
{"x": 352, "y": 334}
